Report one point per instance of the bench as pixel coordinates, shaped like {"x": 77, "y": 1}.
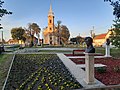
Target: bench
{"x": 78, "y": 52}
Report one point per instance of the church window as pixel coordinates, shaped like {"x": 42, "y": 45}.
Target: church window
{"x": 50, "y": 29}
{"x": 50, "y": 21}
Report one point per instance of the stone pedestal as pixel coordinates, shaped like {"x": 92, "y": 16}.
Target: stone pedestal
{"x": 107, "y": 51}
{"x": 89, "y": 68}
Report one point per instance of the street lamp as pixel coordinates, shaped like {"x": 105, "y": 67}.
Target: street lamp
{"x": 2, "y": 45}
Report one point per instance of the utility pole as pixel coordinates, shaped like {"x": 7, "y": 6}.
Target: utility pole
{"x": 2, "y": 42}
{"x": 91, "y": 32}
{"x": 2, "y": 38}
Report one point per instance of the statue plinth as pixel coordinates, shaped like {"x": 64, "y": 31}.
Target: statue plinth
{"x": 107, "y": 51}
{"x": 89, "y": 68}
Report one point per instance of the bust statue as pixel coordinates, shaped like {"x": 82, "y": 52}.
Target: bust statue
{"x": 90, "y": 48}
{"x": 107, "y": 41}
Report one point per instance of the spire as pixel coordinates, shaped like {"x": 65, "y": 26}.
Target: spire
{"x": 50, "y": 13}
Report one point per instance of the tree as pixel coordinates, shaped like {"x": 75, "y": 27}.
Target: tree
{"x": 58, "y": 31}
{"x": 18, "y": 33}
{"x": 77, "y": 40}
{"x": 64, "y": 34}
{"x": 116, "y": 7}
{"x": 115, "y": 36}
{"x": 3, "y": 11}
{"x": 73, "y": 40}
{"x": 33, "y": 28}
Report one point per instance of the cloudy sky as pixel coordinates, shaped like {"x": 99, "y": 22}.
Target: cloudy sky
{"x": 78, "y": 15}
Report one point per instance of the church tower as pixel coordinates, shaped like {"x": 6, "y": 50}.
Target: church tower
{"x": 51, "y": 25}
{"x": 48, "y": 33}
{"x": 51, "y": 19}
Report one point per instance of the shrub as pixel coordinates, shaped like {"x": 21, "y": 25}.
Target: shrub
{"x": 101, "y": 69}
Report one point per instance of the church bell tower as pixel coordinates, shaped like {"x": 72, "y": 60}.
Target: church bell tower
{"x": 51, "y": 25}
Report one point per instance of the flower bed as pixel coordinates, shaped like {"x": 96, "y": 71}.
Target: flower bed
{"x": 75, "y": 54}
{"x": 40, "y": 72}
{"x": 112, "y": 74}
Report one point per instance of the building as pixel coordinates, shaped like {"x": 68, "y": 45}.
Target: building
{"x": 11, "y": 41}
{"x": 48, "y": 32}
{"x": 100, "y": 40}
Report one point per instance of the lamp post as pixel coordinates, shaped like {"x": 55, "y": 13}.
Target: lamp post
{"x": 2, "y": 45}
{"x": 2, "y": 38}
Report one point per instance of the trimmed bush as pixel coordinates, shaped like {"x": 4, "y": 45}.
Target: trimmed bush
{"x": 101, "y": 69}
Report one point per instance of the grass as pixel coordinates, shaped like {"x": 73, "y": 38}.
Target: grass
{"x": 5, "y": 60}
{"x": 115, "y": 52}
{"x": 100, "y": 50}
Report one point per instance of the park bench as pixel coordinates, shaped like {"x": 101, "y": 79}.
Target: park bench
{"x": 78, "y": 52}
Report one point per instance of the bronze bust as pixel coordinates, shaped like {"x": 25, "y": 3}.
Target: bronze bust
{"x": 107, "y": 41}
{"x": 90, "y": 48}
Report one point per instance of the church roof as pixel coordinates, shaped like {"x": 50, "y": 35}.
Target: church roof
{"x": 50, "y": 13}
{"x": 101, "y": 36}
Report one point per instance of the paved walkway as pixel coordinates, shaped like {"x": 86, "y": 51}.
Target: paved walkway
{"x": 71, "y": 49}
{"x": 37, "y": 50}
{"x": 78, "y": 73}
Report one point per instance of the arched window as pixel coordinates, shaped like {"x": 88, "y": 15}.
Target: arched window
{"x": 50, "y": 21}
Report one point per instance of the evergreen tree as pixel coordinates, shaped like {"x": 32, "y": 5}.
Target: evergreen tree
{"x": 115, "y": 35}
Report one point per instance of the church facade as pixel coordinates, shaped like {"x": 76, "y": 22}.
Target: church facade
{"x": 48, "y": 32}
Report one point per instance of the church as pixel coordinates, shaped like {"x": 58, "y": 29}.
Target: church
{"x": 48, "y": 32}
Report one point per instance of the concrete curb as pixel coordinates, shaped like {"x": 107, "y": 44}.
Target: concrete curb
{"x": 9, "y": 71}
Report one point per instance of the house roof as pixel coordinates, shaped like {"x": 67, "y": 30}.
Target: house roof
{"x": 101, "y": 36}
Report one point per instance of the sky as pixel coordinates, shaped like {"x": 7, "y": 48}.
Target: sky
{"x": 78, "y": 15}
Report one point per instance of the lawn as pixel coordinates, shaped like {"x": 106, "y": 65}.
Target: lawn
{"x": 5, "y": 60}
{"x": 113, "y": 51}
